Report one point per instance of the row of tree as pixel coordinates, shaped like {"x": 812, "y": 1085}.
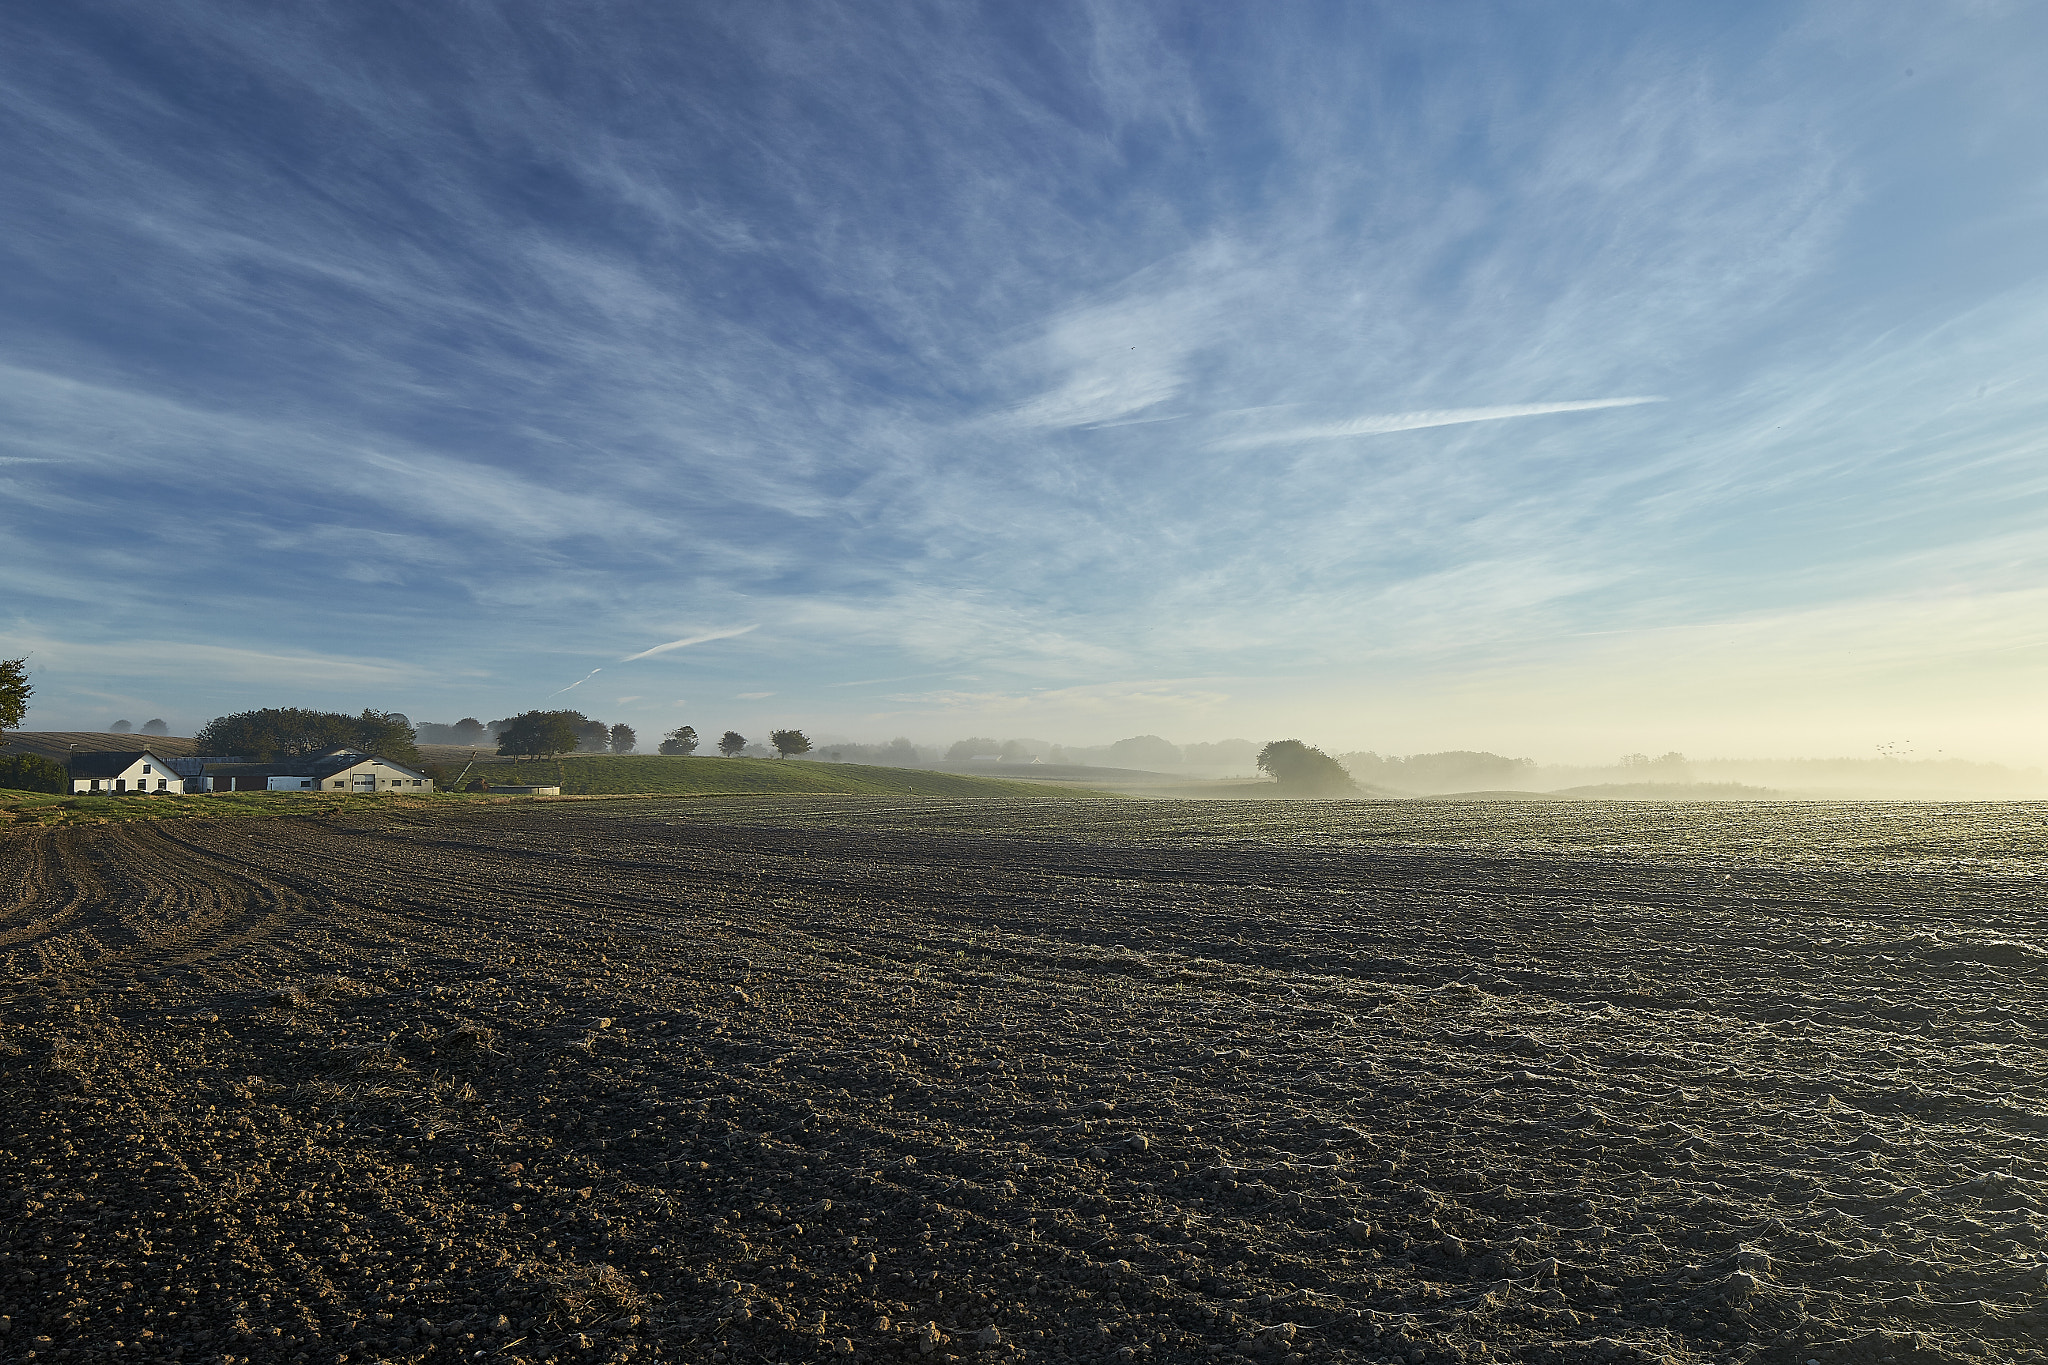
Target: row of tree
{"x": 280, "y": 732}
{"x": 546, "y": 734}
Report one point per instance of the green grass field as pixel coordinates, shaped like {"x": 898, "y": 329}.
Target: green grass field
{"x": 590, "y": 775}
{"x": 638, "y": 774}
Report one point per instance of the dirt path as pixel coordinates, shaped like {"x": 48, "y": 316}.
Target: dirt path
{"x": 867, "y": 1078}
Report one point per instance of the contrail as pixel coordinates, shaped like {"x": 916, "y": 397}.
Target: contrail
{"x": 578, "y": 683}
{"x": 1379, "y": 424}
{"x": 691, "y": 640}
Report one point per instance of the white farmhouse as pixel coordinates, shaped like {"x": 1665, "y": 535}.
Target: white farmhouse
{"x": 133, "y": 771}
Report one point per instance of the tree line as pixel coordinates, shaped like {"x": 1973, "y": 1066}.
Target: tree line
{"x": 548, "y": 734}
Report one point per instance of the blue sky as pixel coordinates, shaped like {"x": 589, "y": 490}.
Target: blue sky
{"x": 1562, "y": 380}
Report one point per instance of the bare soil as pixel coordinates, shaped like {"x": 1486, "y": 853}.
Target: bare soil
{"x": 887, "y": 1078}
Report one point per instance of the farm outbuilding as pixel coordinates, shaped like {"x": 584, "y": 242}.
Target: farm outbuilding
{"x": 344, "y": 770}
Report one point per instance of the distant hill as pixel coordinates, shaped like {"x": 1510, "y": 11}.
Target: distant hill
{"x": 653, "y": 775}
{"x": 61, "y": 744}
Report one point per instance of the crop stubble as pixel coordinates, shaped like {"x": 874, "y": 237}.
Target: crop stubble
{"x": 1028, "y": 1079}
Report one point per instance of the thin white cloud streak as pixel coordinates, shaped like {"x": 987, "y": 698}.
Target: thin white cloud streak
{"x": 144, "y": 658}
{"x": 689, "y": 640}
{"x": 1380, "y": 424}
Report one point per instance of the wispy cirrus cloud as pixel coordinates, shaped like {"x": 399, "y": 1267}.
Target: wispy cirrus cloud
{"x": 1379, "y": 424}
{"x": 965, "y": 351}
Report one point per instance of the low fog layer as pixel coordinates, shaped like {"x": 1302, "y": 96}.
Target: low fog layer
{"x": 1462, "y": 770}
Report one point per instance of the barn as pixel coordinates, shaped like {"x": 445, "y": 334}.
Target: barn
{"x": 343, "y": 770}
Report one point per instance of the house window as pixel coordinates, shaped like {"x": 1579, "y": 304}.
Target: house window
{"x": 341, "y": 784}
{"x": 145, "y": 767}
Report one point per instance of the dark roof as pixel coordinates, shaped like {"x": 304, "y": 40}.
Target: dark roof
{"x": 112, "y": 763}
{"x": 336, "y": 762}
{"x": 317, "y": 766}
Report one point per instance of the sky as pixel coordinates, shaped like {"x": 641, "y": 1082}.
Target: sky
{"x": 1557, "y": 380}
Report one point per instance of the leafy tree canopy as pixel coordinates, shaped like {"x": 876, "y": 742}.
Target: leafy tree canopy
{"x": 156, "y": 727}
{"x": 121, "y": 727}
{"x": 1305, "y": 771}
{"x": 788, "y": 742}
{"x": 32, "y": 773}
{"x": 731, "y": 742}
{"x": 15, "y": 690}
{"x": 679, "y": 741}
{"x": 541, "y": 734}
{"x": 979, "y": 747}
{"x": 292, "y": 732}
{"x": 469, "y": 730}
{"x": 624, "y": 741}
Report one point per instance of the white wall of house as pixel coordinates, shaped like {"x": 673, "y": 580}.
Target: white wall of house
{"x": 146, "y": 774}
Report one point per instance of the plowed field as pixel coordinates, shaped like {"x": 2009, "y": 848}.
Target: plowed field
{"x": 878, "y": 1077}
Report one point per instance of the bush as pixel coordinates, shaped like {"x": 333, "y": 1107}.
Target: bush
{"x": 33, "y": 773}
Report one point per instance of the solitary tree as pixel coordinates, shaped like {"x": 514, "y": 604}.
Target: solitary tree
{"x": 15, "y": 691}
{"x": 469, "y": 730}
{"x": 121, "y": 727}
{"x": 155, "y": 727}
{"x": 731, "y": 742}
{"x": 624, "y": 741}
{"x": 539, "y": 734}
{"x": 680, "y": 742}
{"x": 1304, "y": 771}
{"x": 789, "y": 742}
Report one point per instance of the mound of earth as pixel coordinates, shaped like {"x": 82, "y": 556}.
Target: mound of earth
{"x": 888, "y": 1078}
